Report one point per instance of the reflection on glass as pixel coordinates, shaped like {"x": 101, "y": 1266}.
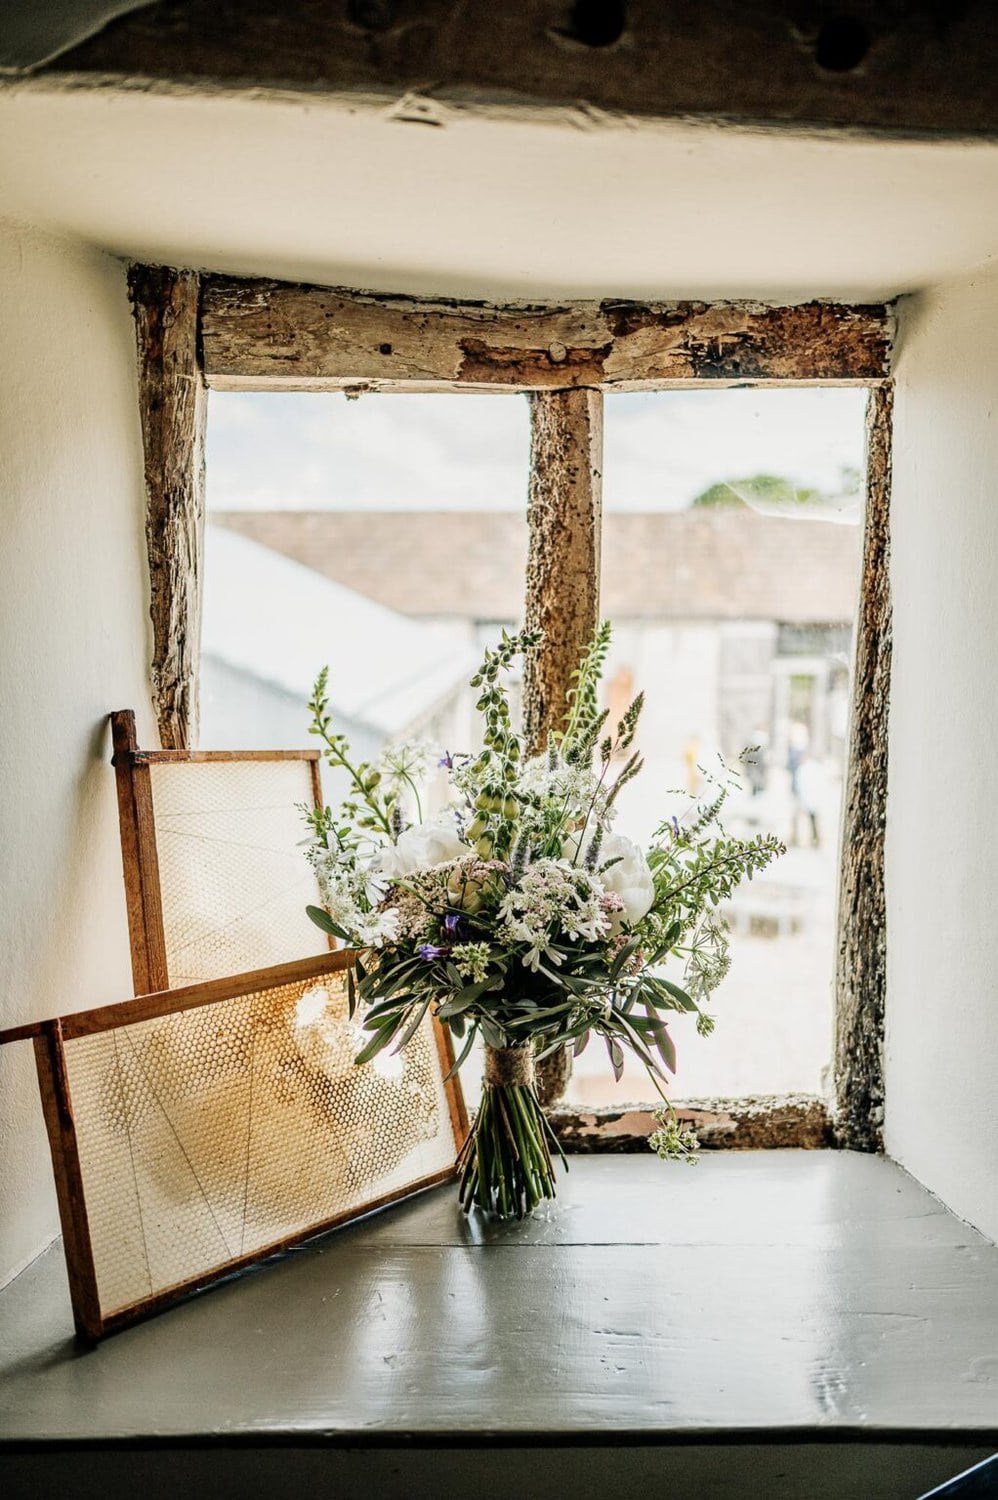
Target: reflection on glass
{"x": 387, "y": 536}
{"x": 730, "y": 572}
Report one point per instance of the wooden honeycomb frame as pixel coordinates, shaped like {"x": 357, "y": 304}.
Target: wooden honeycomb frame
{"x": 196, "y": 1130}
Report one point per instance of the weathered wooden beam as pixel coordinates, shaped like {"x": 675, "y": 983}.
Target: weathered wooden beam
{"x": 862, "y": 955}
{"x": 754, "y": 1123}
{"x": 564, "y": 521}
{"x": 280, "y": 336}
{"x": 173, "y": 406}
{"x": 874, "y": 65}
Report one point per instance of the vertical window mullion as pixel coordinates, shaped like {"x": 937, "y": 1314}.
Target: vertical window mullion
{"x": 564, "y": 517}
{"x": 173, "y": 410}
{"x": 861, "y": 979}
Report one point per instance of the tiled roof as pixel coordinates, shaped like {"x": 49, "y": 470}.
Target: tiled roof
{"x": 696, "y": 564}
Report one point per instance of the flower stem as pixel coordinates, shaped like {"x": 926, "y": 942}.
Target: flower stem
{"x": 505, "y": 1164}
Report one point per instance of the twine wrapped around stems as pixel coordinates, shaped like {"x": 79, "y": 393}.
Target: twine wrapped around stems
{"x": 505, "y": 1164}
{"x": 509, "y": 1067}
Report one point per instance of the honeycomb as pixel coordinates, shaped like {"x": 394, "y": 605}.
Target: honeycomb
{"x": 214, "y": 1133}
{"x": 233, "y": 878}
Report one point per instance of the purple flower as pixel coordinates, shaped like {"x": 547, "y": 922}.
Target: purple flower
{"x": 430, "y": 951}
{"x": 446, "y": 760}
{"x": 452, "y": 924}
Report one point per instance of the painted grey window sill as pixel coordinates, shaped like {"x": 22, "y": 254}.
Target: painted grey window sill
{"x": 814, "y": 1315}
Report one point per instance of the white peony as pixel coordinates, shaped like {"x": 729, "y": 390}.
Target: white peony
{"x": 630, "y": 878}
{"x": 419, "y": 847}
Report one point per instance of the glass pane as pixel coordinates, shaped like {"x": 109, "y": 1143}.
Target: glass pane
{"x": 385, "y": 536}
{"x": 731, "y": 548}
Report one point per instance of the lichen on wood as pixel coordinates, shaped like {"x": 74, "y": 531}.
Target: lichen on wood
{"x": 173, "y": 407}
{"x": 281, "y": 336}
{"x": 861, "y": 978}
{"x": 564, "y": 516}
{"x": 757, "y": 1123}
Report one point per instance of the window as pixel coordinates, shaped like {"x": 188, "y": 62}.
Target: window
{"x": 388, "y": 535}
{"x": 730, "y": 569}
{"x": 571, "y": 362}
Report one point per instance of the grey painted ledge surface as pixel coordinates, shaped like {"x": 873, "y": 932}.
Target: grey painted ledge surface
{"x": 815, "y": 1301}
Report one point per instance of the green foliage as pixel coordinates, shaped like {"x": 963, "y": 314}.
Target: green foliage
{"x": 670, "y": 1141}
{"x": 518, "y": 934}
{"x": 494, "y": 771}
{"x": 584, "y": 720}
{"x": 770, "y": 488}
{"x": 370, "y": 807}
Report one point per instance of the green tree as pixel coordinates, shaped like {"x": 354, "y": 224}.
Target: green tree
{"x": 769, "y": 489}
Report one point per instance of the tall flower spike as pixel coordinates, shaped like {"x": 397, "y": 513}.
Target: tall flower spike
{"x": 591, "y": 859}
{"x": 518, "y": 860}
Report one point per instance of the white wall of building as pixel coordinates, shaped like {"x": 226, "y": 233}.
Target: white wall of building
{"x": 74, "y": 626}
{"x": 942, "y": 846}
{"x": 676, "y": 665}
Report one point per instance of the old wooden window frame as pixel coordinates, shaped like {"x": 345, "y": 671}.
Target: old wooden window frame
{"x": 198, "y": 331}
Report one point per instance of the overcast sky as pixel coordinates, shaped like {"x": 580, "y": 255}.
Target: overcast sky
{"x": 304, "y": 451}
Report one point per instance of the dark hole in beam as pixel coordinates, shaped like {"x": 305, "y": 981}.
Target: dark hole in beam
{"x": 597, "y": 23}
{"x": 372, "y": 15}
{"x": 842, "y": 43}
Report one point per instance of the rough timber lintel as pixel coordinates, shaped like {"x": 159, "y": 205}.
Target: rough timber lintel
{"x": 871, "y": 66}
{"x": 261, "y": 335}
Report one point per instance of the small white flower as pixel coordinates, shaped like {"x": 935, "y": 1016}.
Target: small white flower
{"x": 375, "y": 885}
{"x": 532, "y": 959}
{"x": 629, "y": 878}
{"x": 419, "y": 848}
{"x": 376, "y": 928}
{"x": 405, "y": 761}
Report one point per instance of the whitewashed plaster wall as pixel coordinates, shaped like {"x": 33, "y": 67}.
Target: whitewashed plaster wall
{"x": 942, "y": 840}
{"x": 74, "y": 632}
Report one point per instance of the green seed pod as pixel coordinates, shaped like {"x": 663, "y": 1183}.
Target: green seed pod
{"x": 510, "y": 807}
{"x": 483, "y": 847}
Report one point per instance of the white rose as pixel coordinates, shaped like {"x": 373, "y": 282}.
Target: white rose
{"x": 630, "y": 878}
{"x": 418, "y": 848}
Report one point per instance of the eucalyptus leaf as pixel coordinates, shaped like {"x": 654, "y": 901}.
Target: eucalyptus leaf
{"x": 377, "y": 1043}
{"x": 463, "y": 1054}
{"x": 323, "y": 920}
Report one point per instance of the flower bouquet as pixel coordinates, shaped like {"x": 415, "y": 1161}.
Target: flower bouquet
{"x": 516, "y": 915}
